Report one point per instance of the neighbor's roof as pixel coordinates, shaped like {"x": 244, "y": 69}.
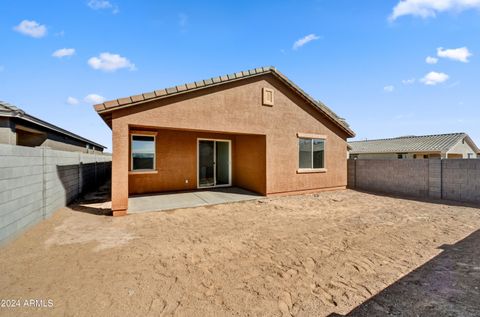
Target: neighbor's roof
{"x": 104, "y": 109}
{"x": 8, "y": 110}
{"x": 407, "y": 144}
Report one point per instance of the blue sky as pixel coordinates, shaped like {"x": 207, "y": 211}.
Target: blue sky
{"x": 364, "y": 59}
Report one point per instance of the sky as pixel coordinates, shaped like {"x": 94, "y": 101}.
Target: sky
{"x": 390, "y": 67}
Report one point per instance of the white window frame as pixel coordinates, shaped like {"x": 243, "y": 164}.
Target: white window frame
{"x": 312, "y": 137}
{"x": 154, "y": 169}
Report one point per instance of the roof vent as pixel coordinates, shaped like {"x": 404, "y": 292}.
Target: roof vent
{"x": 268, "y": 97}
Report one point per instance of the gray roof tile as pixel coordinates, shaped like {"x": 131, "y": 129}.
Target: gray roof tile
{"x": 160, "y": 92}
{"x": 171, "y": 90}
{"x": 191, "y": 85}
{"x": 149, "y": 95}
{"x": 407, "y": 144}
{"x": 200, "y": 83}
{"x": 181, "y": 88}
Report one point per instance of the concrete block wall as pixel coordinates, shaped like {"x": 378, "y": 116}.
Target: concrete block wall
{"x": 35, "y": 182}
{"x": 406, "y": 177}
{"x": 452, "y": 179}
{"x": 461, "y": 180}
{"x": 435, "y": 178}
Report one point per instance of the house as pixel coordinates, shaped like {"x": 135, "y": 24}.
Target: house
{"x": 452, "y": 145}
{"x": 19, "y": 128}
{"x": 253, "y": 129}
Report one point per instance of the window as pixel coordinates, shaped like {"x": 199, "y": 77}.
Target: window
{"x": 401, "y": 156}
{"x": 311, "y": 153}
{"x": 143, "y": 152}
{"x": 470, "y": 155}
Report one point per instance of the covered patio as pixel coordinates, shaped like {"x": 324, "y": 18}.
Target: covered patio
{"x": 174, "y": 168}
{"x": 188, "y": 199}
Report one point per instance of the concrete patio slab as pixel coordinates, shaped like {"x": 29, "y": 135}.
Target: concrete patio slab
{"x": 168, "y": 201}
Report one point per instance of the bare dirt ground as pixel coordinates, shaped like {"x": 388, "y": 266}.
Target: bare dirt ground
{"x": 312, "y": 255}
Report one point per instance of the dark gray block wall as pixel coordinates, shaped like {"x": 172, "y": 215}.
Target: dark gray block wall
{"x": 35, "y": 182}
{"x": 452, "y": 179}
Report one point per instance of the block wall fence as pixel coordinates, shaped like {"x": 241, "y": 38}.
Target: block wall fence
{"x": 450, "y": 179}
{"x": 35, "y": 182}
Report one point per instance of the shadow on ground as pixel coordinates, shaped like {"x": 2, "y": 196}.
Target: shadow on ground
{"x": 95, "y": 203}
{"x": 447, "y": 285}
{"x": 420, "y": 199}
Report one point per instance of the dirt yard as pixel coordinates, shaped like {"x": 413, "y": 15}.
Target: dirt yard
{"x": 311, "y": 255}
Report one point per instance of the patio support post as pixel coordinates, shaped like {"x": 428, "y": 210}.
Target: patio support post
{"x": 120, "y": 143}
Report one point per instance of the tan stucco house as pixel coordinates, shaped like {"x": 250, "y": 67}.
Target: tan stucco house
{"x": 451, "y": 145}
{"x": 253, "y": 129}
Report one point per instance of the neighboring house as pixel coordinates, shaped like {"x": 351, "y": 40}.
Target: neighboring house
{"x": 19, "y": 128}
{"x": 452, "y": 145}
{"x": 253, "y": 129}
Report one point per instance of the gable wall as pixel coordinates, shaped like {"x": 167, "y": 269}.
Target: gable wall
{"x": 237, "y": 108}
{"x": 462, "y": 148}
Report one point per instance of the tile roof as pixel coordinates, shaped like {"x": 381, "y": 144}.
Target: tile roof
{"x": 6, "y": 107}
{"x": 406, "y": 144}
{"x": 108, "y": 106}
{"x": 9, "y": 110}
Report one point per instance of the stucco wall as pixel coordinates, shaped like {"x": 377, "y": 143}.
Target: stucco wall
{"x": 463, "y": 148}
{"x": 237, "y": 108}
{"x": 176, "y": 162}
{"x": 249, "y": 164}
{"x": 7, "y": 136}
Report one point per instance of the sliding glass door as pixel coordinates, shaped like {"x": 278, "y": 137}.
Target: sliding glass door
{"x": 214, "y": 163}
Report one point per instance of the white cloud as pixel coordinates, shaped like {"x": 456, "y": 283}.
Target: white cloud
{"x": 460, "y": 54}
{"x": 63, "y": 52}
{"x": 110, "y": 62}
{"x": 31, "y": 28}
{"x": 429, "y": 8}
{"x": 431, "y": 60}
{"x": 434, "y": 78}
{"x": 102, "y": 5}
{"x": 72, "y": 101}
{"x": 94, "y": 99}
{"x": 409, "y": 81}
{"x": 389, "y": 88}
{"x": 304, "y": 40}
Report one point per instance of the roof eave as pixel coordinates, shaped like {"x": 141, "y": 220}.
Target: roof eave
{"x": 117, "y": 104}
{"x": 40, "y": 122}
